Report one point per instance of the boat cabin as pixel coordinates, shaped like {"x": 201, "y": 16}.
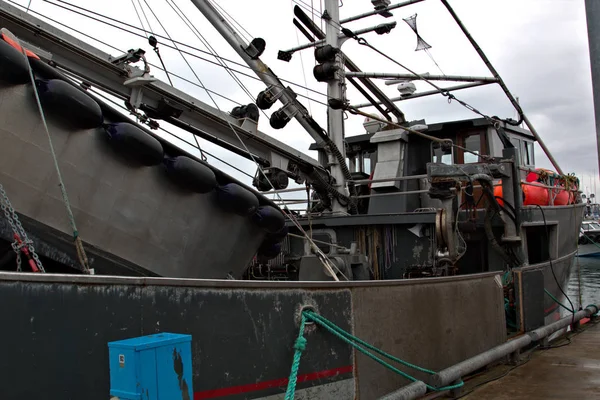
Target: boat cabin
{"x": 396, "y": 162}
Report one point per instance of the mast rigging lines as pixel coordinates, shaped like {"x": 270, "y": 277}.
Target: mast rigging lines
{"x": 173, "y": 47}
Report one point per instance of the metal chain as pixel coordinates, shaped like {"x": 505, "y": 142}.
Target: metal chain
{"x": 19, "y": 231}
{"x": 14, "y": 245}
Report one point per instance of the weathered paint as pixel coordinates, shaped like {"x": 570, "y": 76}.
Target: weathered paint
{"x": 132, "y": 212}
{"x": 239, "y": 336}
{"x": 342, "y": 390}
{"x": 433, "y": 324}
{"x": 243, "y": 332}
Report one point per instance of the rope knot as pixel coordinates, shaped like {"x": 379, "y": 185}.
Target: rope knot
{"x": 300, "y": 344}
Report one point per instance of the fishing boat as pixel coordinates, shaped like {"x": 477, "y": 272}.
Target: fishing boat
{"x": 411, "y": 229}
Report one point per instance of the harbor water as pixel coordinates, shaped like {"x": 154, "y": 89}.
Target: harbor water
{"x": 585, "y": 276}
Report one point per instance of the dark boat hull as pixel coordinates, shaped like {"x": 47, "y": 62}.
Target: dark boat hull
{"x": 124, "y": 211}
{"x": 57, "y": 328}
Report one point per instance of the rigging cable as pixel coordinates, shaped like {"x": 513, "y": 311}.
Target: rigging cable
{"x": 197, "y": 33}
{"x": 302, "y": 64}
{"x": 320, "y": 255}
{"x": 331, "y": 267}
{"x": 313, "y": 12}
{"x": 308, "y": 8}
{"x": 172, "y": 47}
{"x": 123, "y": 51}
{"x": 489, "y": 65}
{"x": 96, "y": 92}
{"x": 233, "y": 21}
{"x": 433, "y": 59}
{"x": 443, "y": 92}
{"x": 80, "y": 250}
{"x": 145, "y": 16}
{"x": 153, "y": 43}
{"x": 139, "y": 17}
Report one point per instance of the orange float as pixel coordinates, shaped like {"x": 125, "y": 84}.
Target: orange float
{"x": 13, "y": 41}
{"x": 540, "y": 195}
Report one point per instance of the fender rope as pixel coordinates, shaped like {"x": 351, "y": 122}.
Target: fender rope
{"x": 358, "y": 344}
{"x": 83, "y": 260}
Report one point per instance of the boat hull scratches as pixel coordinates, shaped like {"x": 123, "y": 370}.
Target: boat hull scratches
{"x": 242, "y": 337}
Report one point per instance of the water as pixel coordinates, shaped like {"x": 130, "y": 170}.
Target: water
{"x": 590, "y": 281}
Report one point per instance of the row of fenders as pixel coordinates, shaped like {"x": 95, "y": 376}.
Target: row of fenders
{"x": 80, "y": 111}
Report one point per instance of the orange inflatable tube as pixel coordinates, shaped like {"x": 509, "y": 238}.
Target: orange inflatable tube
{"x": 10, "y": 39}
{"x": 539, "y": 195}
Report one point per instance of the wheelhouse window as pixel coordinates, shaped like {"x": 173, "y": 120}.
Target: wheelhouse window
{"x": 525, "y": 150}
{"x": 527, "y": 153}
{"x": 473, "y": 144}
{"x": 441, "y": 155}
{"x": 367, "y": 163}
{"x": 359, "y": 162}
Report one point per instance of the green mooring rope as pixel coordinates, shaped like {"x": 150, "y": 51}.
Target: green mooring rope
{"x": 299, "y": 346}
{"x": 596, "y": 307}
{"x": 358, "y": 344}
{"x": 78, "y": 243}
{"x": 558, "y": 302}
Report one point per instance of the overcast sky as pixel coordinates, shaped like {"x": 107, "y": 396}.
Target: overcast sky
{"x": 539, "y": 47}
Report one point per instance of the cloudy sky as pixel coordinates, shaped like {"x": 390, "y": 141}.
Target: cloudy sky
{"x": 539, "y": 47}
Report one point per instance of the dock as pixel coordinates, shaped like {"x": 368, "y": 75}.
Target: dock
{"x": 569, "y": 369}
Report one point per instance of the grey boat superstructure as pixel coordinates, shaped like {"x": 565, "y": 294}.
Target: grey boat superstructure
{"x": 437, "y": 224}
{"x": 425, "y": 205}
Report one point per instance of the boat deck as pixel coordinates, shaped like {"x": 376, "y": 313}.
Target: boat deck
{"x": 571, "y": 371}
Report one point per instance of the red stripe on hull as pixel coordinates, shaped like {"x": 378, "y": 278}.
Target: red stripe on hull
{"x": 551, "y": 308}
{"x": 253, "y": 387}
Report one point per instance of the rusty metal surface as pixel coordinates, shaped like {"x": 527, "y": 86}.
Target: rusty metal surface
{"x": 231, "y": 284}
{"x": 433, "y": 325}
{"x": 569, "y": 372}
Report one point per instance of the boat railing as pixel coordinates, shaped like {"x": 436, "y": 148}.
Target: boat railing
{"x": 297, "y": 201}
{"x": 292, "y": 201}
{"x": 399, "y": 178}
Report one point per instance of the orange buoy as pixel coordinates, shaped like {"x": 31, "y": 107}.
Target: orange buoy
{"x": 540, "y": 195}
{"x": 9, "y": 38}
{"x": 532, "y": 195}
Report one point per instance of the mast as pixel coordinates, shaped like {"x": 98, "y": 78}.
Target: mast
{"x": 592, "y": 11}
{"x": 507, "y": 92}
{"x": 335, "y": 90}
{"x": 292, "y": 108}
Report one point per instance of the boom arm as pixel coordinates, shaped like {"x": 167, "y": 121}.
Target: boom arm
{"x": 100, "y": 70}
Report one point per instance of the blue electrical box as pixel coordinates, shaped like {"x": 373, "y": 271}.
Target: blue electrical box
{"x": 154, "y": 367}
